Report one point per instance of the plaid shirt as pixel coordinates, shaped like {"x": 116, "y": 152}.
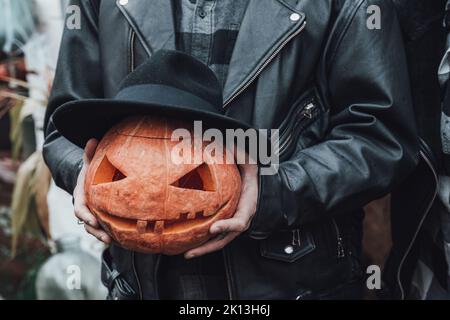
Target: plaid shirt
{"x": 208, "y": 29}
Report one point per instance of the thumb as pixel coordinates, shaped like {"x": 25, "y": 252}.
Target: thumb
{"x": 89, "y": 151}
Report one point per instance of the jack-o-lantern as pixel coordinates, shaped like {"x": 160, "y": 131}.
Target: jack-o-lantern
{"x": 149, "y": 203}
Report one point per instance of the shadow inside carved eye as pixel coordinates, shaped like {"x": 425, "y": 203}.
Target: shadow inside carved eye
{"x": 201, "y": 178}
{"x": 107, "y": 172}
{"x": 118, "y": 176}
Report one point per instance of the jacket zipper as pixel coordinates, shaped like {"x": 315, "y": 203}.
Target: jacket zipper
{"x": 130, "y": 21}
{"x": 430, "y": 205}
{"x": 131, "y": 50}
{"x": 340, "y": 242}
{"x": 228, "y": 275}
{"x": 235, "y": 94}
{"x": 306, "y": 114}
{"x": 133, "y": 264}
{"x": 155, "y": 275}
{"x": 246, "y": 84}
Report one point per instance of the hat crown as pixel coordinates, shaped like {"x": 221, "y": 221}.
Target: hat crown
{"x": 179, "y": 70}
{"x": 170, "y": 83}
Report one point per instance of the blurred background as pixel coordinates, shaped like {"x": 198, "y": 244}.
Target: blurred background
{"x": 44, "y": 252}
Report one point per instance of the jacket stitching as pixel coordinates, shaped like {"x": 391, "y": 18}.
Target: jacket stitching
{"x": 346, "y": 27}
{"x": 95, "y": 5}
{"x": 289, "y": 6}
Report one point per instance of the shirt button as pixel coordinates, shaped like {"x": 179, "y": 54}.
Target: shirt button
{"x": 123, "y": 2}
{"x": 294, "y": 17}
{"x": 289, "y": 249}
{"x": 201, "y": 13}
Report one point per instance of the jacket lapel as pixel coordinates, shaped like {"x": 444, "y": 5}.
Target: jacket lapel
{"x": 152, "y": 21}
{"x": 264, "y": 27}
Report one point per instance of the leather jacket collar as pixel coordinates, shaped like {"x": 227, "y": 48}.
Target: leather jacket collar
{"x": 254, "y": 51}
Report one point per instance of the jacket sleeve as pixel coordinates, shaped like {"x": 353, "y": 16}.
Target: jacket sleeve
{"x": 371, "y": 143}
{"x": 78, "y": 76}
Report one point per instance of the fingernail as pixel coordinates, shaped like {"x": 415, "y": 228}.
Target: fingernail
{"x": 190, "y": 256}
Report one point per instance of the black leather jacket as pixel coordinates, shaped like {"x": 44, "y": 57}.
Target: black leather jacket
{"x": 339, "y": 92}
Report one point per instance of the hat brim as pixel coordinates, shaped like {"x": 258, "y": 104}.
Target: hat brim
{"x": 81, "y": 120}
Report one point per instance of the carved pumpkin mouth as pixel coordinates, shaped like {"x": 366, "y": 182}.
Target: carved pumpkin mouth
{"x": 184, "y": 223}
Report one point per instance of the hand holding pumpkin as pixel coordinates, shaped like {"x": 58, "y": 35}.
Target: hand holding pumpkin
{"x": 82, "y": 212}
{"x": 197, "y": 188}
{"x": 227, "y": 230}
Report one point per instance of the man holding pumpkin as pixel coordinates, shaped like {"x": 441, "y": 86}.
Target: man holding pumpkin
{"x": 335, "y": 88}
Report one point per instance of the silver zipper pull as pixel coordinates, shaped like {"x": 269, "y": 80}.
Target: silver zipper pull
{"x": 340, "y": 242}
{"x": 341, "y": 251}
{"x": 308, "y": 112}
{"x": 296, "y": 238}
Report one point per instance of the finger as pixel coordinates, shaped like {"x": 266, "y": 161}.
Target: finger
{"x": 82, "y": 212}
{"x": 211, "y": 246}
{"x": 235, "y": 224}
{"x": 99, "y": 234}
{"x": 245, "y": 210}
{"x": 89, "y": 150}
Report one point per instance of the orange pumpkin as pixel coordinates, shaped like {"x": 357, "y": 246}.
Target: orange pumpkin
{"x": 146, "y": 201}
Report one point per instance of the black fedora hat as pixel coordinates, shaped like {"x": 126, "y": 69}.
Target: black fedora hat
{"x": 170, "y": 83}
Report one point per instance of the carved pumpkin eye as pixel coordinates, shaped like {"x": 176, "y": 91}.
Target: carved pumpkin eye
{"x": 200, "y": 178}
{"x": 107, "y": 172}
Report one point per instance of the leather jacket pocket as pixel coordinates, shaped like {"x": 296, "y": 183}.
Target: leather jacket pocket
{"x": 113, "y": 280}
{"x": 302, "y": 115}
{"x": 288, "y": 246}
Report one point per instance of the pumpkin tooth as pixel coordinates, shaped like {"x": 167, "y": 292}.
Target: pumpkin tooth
{"x": 141, "y": 226}
{"x": 183, "y": 216}
{"x": 159, "y": 226}
{"x": 191, "y": 215}
{"x": 200, "y": 214}
{"x": 209, "y": 212}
